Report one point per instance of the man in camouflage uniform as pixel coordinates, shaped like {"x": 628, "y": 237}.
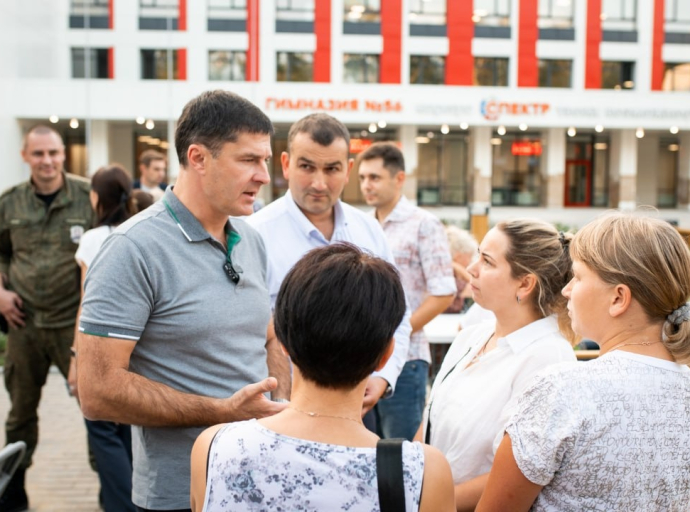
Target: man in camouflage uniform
{"x": 41, "y": 223}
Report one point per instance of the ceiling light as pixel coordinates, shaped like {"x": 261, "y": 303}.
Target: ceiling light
{"x": 673, "y": 147}
{"x": 599, "y": 146}
{"x": 364, "y": 133}
{"x": 74, "y": 123}
{"x": 430, "y": 135}
{"x": 382, "y": 123}
{"x": 501, "y": 130}
{"x": 421, "y": 140}
{"x": 628, "y": 84}
{"x": 523, "y": 127}
{"x": 53, "y": 119}
{"x": 357, "y": 8}
{"x": 464, "y": 126}
{"x": 572, "y": 131}
{"x": 598, "y": 128}
{"x": 495, "y": 141}
{"x": 150, "y": 124}
{"x": 445, "y": 129}
{"x": 373, "y": 127}
{"x": 673, "y": 130}
{"x": 639, "y": 133}
{"x": 140, "y": 120}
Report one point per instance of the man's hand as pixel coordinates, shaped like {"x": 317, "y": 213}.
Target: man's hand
{"x": 72, "y": 378}
{"x": 11, "y": 308}
{"x": 250, "y": 402}
{"x": 375, "y": 389}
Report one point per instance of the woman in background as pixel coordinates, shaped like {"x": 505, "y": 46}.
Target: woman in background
{"x": 111, "y": 443}
{"x": 463, "y": 249}
{"x": 522, "y": 266}
{"x": 620, "y": 440}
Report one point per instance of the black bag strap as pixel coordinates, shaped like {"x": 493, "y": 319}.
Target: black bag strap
{"x": 389, "y": 473}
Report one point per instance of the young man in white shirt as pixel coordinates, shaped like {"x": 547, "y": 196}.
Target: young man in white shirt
{"x": 423, "y": 258}
{"x": 317, "y": 167}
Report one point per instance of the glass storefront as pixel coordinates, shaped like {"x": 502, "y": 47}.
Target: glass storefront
{"x": 516, "y": 178}
{"x": 442, "y": 168}
{"x": 586, "y": 170}
{"x": 667, "y": 172}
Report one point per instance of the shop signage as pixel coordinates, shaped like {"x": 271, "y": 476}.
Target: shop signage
{"x": 526, "y": 148}
{"x": 333, "y": 105}
{"x": 359, "y": 145}
{"x": 493, "y": 109}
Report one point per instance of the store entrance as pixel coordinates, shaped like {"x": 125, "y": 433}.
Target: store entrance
{"x": 578, "y": 182}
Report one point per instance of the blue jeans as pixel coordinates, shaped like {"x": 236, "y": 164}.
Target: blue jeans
{"x": 401, "y": 415}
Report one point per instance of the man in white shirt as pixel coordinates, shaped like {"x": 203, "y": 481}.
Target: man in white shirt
{"x": 423, "y": 258}
{"x": 317, "y": 167}
{"x": 152, "y": 165}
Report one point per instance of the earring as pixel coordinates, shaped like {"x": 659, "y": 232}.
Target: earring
{"x": 518, "y": 299}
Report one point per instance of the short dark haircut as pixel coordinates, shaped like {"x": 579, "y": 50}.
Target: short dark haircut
{"x": 322, "y": 128}
{"x": 113, "y": 186}
{"x": 393, "y": 159}
{"x": 336, "y": 313}
{"x": 41, "y": 129}
{"x": 149, "y": 156}
{"x": 216, "y": 117}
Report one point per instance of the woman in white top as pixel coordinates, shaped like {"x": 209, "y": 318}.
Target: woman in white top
{"x": 335, "y": 315}
{"x": 522, "y": 266}
{"x": 111, "y": 189}
{"x": 611, "y": 434}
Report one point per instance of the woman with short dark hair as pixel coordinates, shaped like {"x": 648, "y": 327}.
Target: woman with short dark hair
{"x": 335, "y": 315}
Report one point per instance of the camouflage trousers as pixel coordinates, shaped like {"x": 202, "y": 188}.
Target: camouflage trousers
{"x": 30, "y": 352}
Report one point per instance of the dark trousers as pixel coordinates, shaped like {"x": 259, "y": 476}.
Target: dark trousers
{"x": 30, "y": 352}
{"x": 111, "y": 444}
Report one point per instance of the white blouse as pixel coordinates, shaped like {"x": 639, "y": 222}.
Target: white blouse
{"x": 610, "y": 434}
{"x": 470, "y": 406}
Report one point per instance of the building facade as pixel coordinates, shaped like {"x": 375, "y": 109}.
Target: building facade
{"x": 521, "y": 103}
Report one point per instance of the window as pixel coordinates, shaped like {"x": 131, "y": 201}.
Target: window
{"x": 667, "y": 172}
{"x": 428, "y": 12}
{"x": 515, "y": 178}
{"x": 617, "y": 75}
{"x": 227, "y": 15}
{"x": 554, "y": 73}
{"x": 676, "y": 77}
{"x": 677, "y": 15}
{"x": 618, "y": 14}
{"x": 96, "y": 66}
{"x": 427, "y": 69}
{"x": 294, "y": 67}
{"x": 362, "y": 10}
{"x": 361, "y": 69}
{"x": 491, "y": 12}
{"x": 555, "y": 14}
{"x": 441, "y": 168}
{"x": 227, "y": 65}
{"x": 295, "y": 10}
{"x": 89, "y": 14}
{"x": 158, "y": 14}
{"x": 159, "y": 64}
{"x": 490, "y": 71}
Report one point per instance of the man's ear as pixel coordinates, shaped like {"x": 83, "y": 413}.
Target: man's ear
{"x": 400, "y": 178}
{"x": 196, "y": 157}
{"x": 621, "y": 298}
{"x": 350, "y": 163}
{"x": 285, "y": 164}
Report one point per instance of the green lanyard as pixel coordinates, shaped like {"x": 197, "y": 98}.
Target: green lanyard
{"x": 233, "y": 239}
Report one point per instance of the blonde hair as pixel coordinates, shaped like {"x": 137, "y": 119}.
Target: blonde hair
{"x": 648, "y": 256}
{"x": 537, "y": 248}
{"x": 461, "y": 241}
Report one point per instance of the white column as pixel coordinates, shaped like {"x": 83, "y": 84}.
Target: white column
{"x": 579, "y": 63}
{"x": 98, "y": 155}
{"x": 127, "y": 51}
{"x": 623, "y": 169}
{"x": 406, "y": 135}
{"x": 337, "y": 42}
{"x": 553, "y": 167}
{"x": 481, "y": 167}
{"x": 645, "y": 33}
{"x": 14, "y": 169}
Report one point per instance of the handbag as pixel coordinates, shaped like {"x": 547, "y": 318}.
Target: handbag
{"x": 389, "y": 474}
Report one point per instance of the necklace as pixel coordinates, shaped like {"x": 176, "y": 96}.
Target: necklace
{"x": 624, "y": 344}
{"x": 319, "y": 415}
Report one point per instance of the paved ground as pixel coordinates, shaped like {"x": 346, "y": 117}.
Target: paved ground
{"x": 60, "y": 479}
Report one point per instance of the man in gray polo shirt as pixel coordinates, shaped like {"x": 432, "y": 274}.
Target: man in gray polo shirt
{"x": 176, "y": 306}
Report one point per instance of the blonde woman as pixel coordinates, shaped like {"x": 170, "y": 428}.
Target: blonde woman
{"x": 611, "y": 434}
{"x": 522, "y": 266}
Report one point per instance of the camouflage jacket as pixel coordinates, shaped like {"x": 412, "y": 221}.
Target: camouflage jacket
{"x": 37, "y": 249}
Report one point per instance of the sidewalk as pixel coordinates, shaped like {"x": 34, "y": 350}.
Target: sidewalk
{"x": 60, "y": 479}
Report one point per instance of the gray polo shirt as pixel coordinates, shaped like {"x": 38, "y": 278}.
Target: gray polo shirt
{"x": 162, "y": 285}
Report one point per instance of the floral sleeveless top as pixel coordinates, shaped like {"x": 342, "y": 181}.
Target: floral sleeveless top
{"x": 252, "y": 468}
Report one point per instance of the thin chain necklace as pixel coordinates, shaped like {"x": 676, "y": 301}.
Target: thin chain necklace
{"x": 320, "y": 415}
{"x": 624, "y": 344}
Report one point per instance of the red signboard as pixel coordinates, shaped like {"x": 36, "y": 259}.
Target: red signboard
{"x": 359, "y": 145}
{"x": 526, "y": 148}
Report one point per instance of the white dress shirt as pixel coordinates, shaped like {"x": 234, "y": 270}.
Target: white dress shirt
{"x": 470, "y": 406}
{"x": 289, "y": 235}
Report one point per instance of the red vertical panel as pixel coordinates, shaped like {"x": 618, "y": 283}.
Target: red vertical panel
{"x": 182, "y": 64}
{"x": 111, "y": 14}
{"x": 593, "y": 45}
{"x": 528, "y": 33}
{"x": 391, "y": 31}
{"x": 253, "y": 36}
{"x": 657, "y": 44}
{"x": 111, "y": 63}
{"x": 322, "y": 30}
{"x": 460, "y": 31}
{"x": 182, "y": 15}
